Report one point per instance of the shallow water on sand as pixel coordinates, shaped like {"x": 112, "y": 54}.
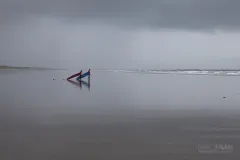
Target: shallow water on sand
{"x": 117, "y": 115}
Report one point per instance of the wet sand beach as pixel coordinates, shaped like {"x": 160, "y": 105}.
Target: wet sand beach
{"x": 118, "y": 116}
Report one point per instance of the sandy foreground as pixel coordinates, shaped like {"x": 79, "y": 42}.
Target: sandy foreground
{"x": 130, "y": 135}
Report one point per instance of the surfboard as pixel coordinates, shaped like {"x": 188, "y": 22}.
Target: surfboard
{"x": 83, "y": 75}
{"x": 75, "y": 75}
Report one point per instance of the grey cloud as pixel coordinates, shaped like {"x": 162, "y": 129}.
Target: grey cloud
{"x": 83, "y": 33}
{"x": 165, "y": 14}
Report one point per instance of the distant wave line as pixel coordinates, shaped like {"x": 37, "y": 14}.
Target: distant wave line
{"x": 184, "y": 72}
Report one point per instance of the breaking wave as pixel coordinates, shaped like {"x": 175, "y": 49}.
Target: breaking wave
{"x": 185, "y": 72}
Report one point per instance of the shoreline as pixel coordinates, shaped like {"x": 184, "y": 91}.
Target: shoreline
{"x": 11, "y": 67}
{"x": 27, "y": 68}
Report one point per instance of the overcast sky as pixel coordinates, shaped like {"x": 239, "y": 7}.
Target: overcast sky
{"x": 120, "y": 33}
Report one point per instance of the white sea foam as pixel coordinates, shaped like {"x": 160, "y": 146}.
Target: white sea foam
{"x": 185, "y": 72}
